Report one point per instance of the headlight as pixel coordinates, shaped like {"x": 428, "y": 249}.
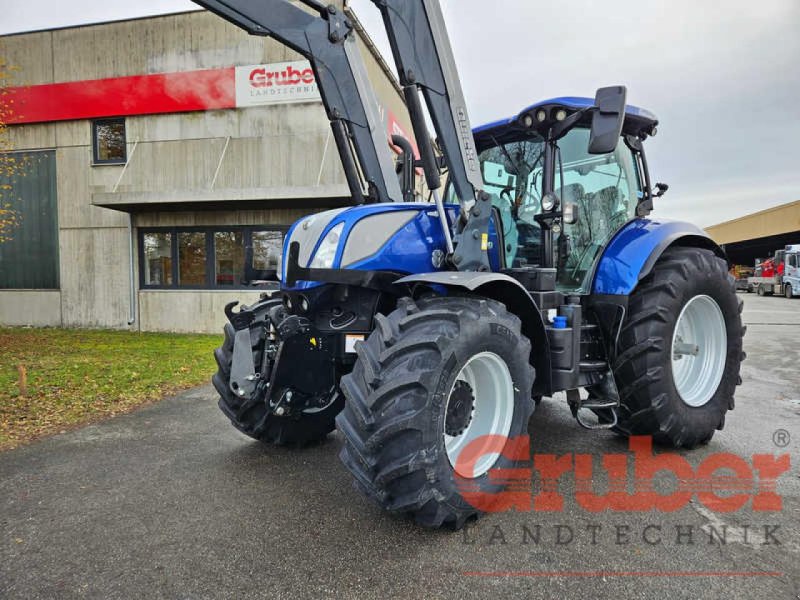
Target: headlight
{"x": 326, "y": 252}
{"x": 549, "y": 202}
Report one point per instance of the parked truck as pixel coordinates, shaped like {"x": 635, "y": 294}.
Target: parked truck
{"x": 779, "y": 274}
{"x": 427, "y": 332}
{"x": 741, "y": 274}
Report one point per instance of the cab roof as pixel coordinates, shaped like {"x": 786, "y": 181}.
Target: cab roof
{"x": 638, "y": 121}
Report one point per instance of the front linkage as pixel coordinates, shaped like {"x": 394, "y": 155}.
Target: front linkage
{"x": 262, "y": 390}
{"x": 263, "y": 345}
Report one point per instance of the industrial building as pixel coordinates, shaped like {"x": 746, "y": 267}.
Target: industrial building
{"x": 759, "y": 235}
{"x": 165, "y": 158}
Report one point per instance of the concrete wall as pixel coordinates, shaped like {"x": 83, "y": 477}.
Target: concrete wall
{"x": 188, "y": 311}
{"x": 30, "y": 307}
{"x": 281, "y": 152}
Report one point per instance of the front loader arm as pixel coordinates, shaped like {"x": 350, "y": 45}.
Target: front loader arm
{"x": 327, "y": 40}
{"x": 425, "y": 63}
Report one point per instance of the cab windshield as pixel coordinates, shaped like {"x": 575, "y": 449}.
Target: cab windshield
{"x": 606, "y": 188}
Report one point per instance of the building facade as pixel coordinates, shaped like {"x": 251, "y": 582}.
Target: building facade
{"x": 163, "y": 158}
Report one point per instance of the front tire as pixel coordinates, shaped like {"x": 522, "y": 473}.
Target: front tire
{"x": 435, "y": 376}
{"x": 788, "y": 291}
{"x": 680, "y": 350}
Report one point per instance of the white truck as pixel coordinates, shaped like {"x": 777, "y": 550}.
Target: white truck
{"x": 779, "y": 275}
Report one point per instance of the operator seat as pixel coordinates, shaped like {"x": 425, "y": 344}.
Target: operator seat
{"x": 575, "y": 193}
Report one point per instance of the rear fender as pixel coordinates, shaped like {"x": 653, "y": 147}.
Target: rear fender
{"x": 635, "y": 249}
{"x": 516, "y": 298}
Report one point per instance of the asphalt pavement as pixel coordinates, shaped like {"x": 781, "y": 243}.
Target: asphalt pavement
{"x": 171, "y": 502}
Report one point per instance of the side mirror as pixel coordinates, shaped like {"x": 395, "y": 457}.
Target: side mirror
{"x": 609, "y": 117}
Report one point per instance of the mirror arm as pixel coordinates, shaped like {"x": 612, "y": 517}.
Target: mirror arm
{"x": 562, "y": 128}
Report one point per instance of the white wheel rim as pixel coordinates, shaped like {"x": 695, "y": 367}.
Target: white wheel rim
{"x": 699, "y": 349}
{"x": 492, "y": 388}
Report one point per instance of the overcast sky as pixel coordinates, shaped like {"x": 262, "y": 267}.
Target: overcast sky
{"x": 723, "y": 78}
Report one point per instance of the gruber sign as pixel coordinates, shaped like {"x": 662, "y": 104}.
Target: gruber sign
{"x": 184, "y": 91}
{"x": 279, "y": 83}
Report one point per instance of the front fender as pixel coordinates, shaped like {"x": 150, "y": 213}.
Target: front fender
{"x": 635, "y": 249}
{"x": 510, "y": 292}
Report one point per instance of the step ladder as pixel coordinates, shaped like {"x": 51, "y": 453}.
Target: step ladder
{"x": 603, "y": 400}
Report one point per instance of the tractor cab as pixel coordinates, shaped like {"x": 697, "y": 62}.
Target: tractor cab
{"x": 532, "y": 165}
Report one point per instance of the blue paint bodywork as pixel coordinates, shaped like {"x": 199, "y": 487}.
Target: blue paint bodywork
{"x": 408, "y": 251}
{"x": 620, "y": 268}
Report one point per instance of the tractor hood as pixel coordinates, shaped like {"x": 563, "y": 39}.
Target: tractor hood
{"x": 397, "y": 237}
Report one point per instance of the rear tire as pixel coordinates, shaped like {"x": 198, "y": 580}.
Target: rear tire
{"x": 689, "y": 294}
{"x": 403, "y": 420}
{"x": 248, "y": 418}
{"x": 761, "y": 290}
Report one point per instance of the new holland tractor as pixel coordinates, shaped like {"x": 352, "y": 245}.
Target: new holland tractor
{"x": 426, "y": 331}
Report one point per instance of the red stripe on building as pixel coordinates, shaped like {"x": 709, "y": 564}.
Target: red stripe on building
{"x": 123, "y": 96}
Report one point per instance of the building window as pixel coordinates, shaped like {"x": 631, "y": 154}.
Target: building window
{"x": 110, "y": 146}
{"x": 229, "y": 251}
{"x": 267, "y": 248}
{"x": 157, "y": 262}
{"x": 192, "y": 259}
{"x": 209, "y": 258}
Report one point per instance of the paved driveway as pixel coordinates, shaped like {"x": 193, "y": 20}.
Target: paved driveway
{"x": 170, "y": 502}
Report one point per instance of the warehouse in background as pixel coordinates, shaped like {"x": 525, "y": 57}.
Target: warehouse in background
{"x": 165, "y": 158}
{"x": 759, "y": 235}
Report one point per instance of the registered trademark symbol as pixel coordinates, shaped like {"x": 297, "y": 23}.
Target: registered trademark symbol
{"x": 781, "y": 438}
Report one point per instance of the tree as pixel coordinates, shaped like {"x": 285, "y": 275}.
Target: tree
{"x": 11, "y": 165}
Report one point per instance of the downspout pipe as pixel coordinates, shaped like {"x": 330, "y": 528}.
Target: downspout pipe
{"x": 132, "y": 314}
{"x": 132, "y": 273}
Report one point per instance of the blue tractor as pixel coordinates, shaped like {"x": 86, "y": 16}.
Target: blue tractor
{"x": 427, "y": 331}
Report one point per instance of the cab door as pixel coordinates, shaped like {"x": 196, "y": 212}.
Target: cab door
{"x": 792, "y": 274}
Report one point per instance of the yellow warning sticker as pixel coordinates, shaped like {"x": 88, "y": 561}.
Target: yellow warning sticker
{"x": 485, "y": 241}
